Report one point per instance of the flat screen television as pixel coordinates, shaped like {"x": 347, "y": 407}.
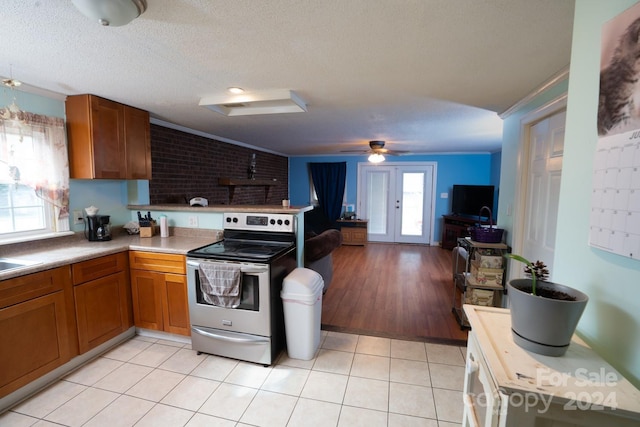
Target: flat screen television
{"x": 467, "y": 200}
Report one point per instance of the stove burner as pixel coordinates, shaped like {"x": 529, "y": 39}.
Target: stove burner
{"x": 255, "y": 251}
{"x": 229, "y": 249}
{"x": 216, "y": 248}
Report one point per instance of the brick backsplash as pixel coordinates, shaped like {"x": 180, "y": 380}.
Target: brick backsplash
{"x": 186, "y": 166}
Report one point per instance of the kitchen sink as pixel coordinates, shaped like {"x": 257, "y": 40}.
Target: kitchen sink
{"x": 11, "y": 264}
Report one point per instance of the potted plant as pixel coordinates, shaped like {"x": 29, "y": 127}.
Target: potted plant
{"x": 544, "y": 315}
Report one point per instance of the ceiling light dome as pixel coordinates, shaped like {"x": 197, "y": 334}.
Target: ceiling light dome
{"x": 376, "y": 158}
{"x": 113, "y": 13}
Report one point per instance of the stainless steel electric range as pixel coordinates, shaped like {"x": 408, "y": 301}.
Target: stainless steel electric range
{"x": 260, "y": 249}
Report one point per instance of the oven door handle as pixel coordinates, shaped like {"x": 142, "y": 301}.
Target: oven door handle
{"x": 254, "y": 270}
{"x": 236, "y": 338}
{"x": 247, "y": 269}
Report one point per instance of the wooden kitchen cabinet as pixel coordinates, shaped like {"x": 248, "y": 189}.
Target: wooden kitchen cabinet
{"x": 102, "y": 299}
{"x": 37, "y": 326}
{"x": 107, "y": 140}
{"x": 159, "y": 292}
{"x": 354, "y": 232}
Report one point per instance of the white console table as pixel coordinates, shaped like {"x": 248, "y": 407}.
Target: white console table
{"x": 508, "y": 386}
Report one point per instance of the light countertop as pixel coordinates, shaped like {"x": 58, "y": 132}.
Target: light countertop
{"x": 222, "y": 208}
{"x": 61, "y": 251}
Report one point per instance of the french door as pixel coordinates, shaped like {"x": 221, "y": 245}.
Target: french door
{"x": 397, "y": 199}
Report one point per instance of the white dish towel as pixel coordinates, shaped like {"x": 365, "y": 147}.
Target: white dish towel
{"x": 221, "y": 284}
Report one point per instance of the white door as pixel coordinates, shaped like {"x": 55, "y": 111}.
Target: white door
{"x": 546, "y": 148}
{"x": 397, "y": 199}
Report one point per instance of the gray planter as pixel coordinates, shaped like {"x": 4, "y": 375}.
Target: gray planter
{"x": 544, "y": 325}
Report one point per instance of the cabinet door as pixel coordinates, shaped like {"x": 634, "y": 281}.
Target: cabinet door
{"x": 102, "y": 310}
{"x": 146, "y": 293}
{"x": 108, "y": 138}
{"x": 175, "y": 305}
{"x": 347, "y": 235}
{"x": 35, "y": 340}
{"x": 360, "y": 236}
{"x": 138, "y": 143}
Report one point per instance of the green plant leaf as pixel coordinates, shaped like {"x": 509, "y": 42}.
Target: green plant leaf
{"x": 530, "y": 264}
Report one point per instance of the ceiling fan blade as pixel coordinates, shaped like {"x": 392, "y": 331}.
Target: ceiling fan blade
{"x": 356, "y": 151}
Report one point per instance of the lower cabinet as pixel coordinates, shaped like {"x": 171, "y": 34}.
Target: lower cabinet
{"x": 354, "y": 232}
{"x": 159, "y": 292}
{"x": 37, "y": 326}
{"x": 102, "y": 299}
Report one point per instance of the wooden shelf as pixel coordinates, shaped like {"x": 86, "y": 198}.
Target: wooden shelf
{"x": 232, "y": 183}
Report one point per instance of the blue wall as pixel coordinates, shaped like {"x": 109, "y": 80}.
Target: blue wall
{"x": 452, "y": 169}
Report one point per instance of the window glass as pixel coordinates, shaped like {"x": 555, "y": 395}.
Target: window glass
{"x": 34, "y": 176}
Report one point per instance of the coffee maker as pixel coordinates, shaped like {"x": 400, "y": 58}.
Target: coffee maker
{"x": 97, "y": 228}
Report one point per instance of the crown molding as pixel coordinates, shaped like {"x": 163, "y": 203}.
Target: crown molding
{"x": 554, "y": 80}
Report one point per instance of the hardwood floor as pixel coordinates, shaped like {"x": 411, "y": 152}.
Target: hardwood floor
{"x": 392, "y": 290}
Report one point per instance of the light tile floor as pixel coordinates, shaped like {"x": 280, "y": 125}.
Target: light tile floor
{"x": 354, "y": 380}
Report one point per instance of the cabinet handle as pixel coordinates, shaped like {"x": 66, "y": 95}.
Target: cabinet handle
{"x": 469, "y": 412}
{"x": 472, "y": 365}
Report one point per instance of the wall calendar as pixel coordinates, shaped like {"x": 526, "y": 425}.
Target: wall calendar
{"x": 615, "y": 206}
{"x": 615, "y": 200}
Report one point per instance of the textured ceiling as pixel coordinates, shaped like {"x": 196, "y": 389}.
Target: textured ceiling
{"x": 424, "y": 75}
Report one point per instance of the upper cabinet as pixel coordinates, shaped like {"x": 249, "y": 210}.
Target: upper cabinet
{"x": 107, "y": 140}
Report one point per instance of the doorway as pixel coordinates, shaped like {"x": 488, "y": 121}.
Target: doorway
{"x": 398, "y": 200}
{"x": 542, "y": 152}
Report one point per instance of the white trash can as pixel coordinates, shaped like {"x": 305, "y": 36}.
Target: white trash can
{"x": 302, "y": 302}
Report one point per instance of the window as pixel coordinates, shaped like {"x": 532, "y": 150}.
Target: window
{"x": 34, "y": 177}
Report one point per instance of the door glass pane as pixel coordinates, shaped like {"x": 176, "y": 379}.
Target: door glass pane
{"x": 377, "y": 196}
{"x": 412, "y": 206}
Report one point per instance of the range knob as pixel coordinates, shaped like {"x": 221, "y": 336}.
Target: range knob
{"x": 286, "y": 222}
{"x": 279, "y": 222}
{"x": 228, "y": 219}
{"x": 272, "y": 222}
{"x": 235, "y": 220}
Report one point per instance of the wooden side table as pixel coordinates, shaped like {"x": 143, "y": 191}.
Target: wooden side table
{"x": 354, "y": 231}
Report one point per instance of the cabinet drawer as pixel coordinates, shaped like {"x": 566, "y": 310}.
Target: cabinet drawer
{"x": 154, "y": 261}
{"x": 20, "y": 289}
{"x": 98, "y": 267}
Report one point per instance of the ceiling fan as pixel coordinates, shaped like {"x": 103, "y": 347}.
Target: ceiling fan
{"x": 376, "y": 151}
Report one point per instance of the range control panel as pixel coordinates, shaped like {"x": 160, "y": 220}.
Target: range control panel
{"x": 259, "y": 222}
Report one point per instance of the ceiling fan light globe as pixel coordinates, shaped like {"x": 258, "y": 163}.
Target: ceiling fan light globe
{"x": 376, "y": 158}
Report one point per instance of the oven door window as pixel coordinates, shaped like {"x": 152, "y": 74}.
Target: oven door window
{"x": 250, "y": 291}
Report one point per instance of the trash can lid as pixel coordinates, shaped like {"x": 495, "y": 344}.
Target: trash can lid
{"x": 302, "y": 281}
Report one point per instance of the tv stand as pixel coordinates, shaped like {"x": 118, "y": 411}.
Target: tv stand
{"x": 454, "y": 227}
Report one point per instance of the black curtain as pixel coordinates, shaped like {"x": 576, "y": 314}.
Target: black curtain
{"x": 329, "y": 180}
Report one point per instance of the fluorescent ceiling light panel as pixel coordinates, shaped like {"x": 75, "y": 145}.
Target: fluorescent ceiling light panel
{"x": 248, "y": 103}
